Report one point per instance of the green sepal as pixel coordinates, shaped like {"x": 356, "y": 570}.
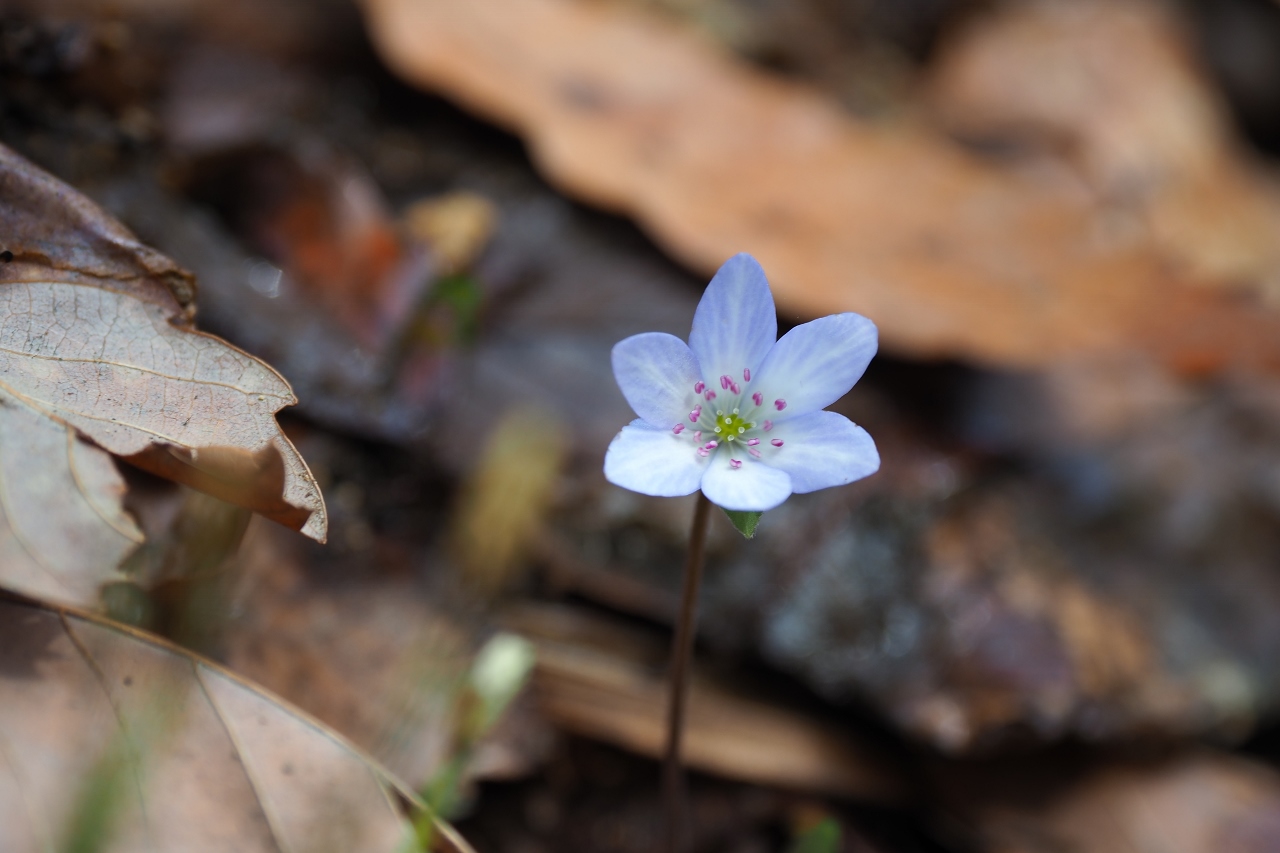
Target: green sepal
{"x": 744, "y": 522}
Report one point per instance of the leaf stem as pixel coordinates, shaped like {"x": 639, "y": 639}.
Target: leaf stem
{"x": 673, "y": 781}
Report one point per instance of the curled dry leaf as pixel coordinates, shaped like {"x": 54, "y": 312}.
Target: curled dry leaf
{"x": 62, "y": 528}
{"x": 104, "y": 729}
{"x": 952, "y": 256}
{"x": 96, "y": 338}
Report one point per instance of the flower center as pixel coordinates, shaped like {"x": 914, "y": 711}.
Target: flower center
{"x": 727, "y": 427}
{"x": 731, "y": 425}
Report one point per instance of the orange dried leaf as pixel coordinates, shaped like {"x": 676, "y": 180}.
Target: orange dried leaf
{"x": 952, "y": 256}
{"x": 1118, "y": 86}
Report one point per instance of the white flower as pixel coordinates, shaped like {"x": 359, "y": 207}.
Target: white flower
{"x": 737, "y": 412}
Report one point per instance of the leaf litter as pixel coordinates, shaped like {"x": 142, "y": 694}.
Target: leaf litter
{"x": 195, "y": 758}
{"x": 63, "y": 530}
{"x": 945, "y": 716}
{"x": 1005, "y": 266}
{"x": 98, "y": 353}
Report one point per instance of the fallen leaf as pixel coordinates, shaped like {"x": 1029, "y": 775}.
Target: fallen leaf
{"x": 103, "y": 726}
{"x": 1185, "y": 804}
{"x": 250, "y": 301}
{"x": 96, "y": 337}
{"x": 596, "y": 679}
{"x": 952, "y": 255}
{"x": 63, "y": 530}
{"x": 1118, "y": 87}
{"x": 368, "y": 659}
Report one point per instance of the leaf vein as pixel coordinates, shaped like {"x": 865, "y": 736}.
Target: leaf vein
{"x": 248, "y": 392}
{"x": 132, "y": 535}
{"x": 135, "y": 754}
{"x": 6, "y": 507}
{"x": 260, "y": 795}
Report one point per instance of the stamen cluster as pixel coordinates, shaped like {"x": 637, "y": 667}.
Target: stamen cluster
{"x": 730, "y": 428}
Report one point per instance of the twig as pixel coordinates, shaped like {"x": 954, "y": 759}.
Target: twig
{"x": 673, "y": 781}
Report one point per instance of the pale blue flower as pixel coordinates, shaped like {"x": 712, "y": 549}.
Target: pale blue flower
{"x": 737, "y": 412}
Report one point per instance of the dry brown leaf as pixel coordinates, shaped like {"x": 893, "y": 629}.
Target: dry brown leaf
{"x": 187, "y": 756}
{"x": 63, "y": 531}
{"x": 375, "y": 660}
{"x": 951, "y": 256}
{"x": 1118, "y": 87}
{"x": 1186, "y": 804}
{"x": 96, "y": 336}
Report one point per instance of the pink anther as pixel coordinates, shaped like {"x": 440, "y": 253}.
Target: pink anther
{"x": 697, "y": 436}
{"x": 735, "y": 463}
{"x": 699, "y": 387}
{"x": 710, "y": 395}
{"x": 695, "y": 414}
{"x": 678, "y": 428}
{"x": 768, "y": 425}
{"x": 725, "y": 382}
{"x": 711, "y": 445}
{"x": 758, "y": 398}
{"x": 753, "y": 452}
{"x": 702, "y": 451}
{"x": 746, "y": 374}
{"x": 779, "y": 404}
{"x": 777, "y": 442}
{"x": 735, "y": 387}
{"x": 752, "y": 442}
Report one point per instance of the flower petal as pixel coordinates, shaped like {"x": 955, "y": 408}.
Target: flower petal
{"x": 735, "y": 323}
{"x": 753, "y": 487}
{"x": 653, "y": 461}
{"x": 822, "y": 449}
{"x": 815, "y": 364}
{"x": 656, "y": 373}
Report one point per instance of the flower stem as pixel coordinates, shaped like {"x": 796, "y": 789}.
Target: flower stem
{"x": 673, "y": 781}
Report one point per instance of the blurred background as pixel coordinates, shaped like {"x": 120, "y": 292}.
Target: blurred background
{"x": 1048, "y": 624}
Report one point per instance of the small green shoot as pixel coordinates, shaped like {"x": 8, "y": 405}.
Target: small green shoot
{"x": 500, "y": 671}
{"x": 822, "y": 837}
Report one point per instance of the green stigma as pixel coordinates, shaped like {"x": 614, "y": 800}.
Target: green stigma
{"x": 731, "y": 425}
